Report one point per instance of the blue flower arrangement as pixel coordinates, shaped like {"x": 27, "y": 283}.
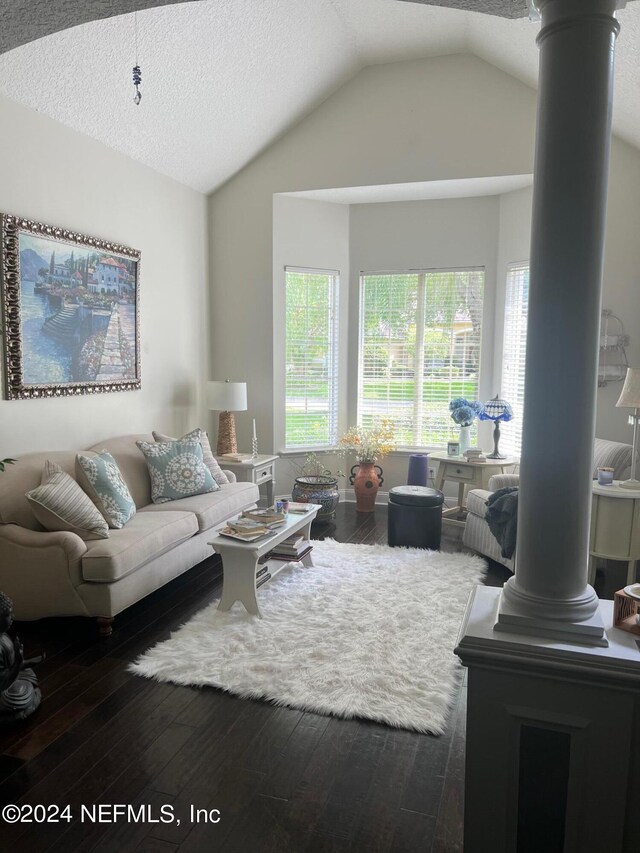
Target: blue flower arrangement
{"x": 464, "y": 412}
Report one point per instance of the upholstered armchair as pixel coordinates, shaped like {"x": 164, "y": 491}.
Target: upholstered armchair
{"x": 606, "y": 454}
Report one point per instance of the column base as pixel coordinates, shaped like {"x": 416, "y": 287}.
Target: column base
{"x": 588, "y": 631}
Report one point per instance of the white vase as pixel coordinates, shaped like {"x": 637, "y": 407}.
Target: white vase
{"x": 465, "y": 438}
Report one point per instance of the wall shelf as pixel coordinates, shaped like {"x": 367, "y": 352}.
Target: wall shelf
{"x": 612, "y": 366}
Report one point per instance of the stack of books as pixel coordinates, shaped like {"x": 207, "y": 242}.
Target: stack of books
{"x": 265, "y": 516}
{"x": 292, "y": 549}
{"x": 235, "y": 457}
{"x": 245, "y": 529}
{"x": 474, "y": 454}
{"x": 299, "y": 507}
{"x": 262, "y": 576}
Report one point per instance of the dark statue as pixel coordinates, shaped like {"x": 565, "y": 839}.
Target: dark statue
{"x": 19, "y": 693}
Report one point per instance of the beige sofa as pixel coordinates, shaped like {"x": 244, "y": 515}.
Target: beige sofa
{"x": 59, "y": 574}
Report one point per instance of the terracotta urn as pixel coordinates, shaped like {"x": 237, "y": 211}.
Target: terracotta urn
{"x": 366, "y": 478}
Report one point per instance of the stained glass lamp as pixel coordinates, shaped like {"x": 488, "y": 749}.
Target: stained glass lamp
{"x": 496, "y": 410}
{"x": 630, "y": 399}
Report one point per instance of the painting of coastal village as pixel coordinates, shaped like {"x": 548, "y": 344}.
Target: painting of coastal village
{"x": 77, "y": 312}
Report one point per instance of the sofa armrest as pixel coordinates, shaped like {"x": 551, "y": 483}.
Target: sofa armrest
{"x": 231, "y": 477}
{"x": 503, "y": 481}
{"x": 612, "y": 454}
{"x": 40, "y": 571}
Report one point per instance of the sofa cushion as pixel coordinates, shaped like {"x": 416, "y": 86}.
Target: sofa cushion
{"x": 214, "y": 507}
{"x": 19, "y": 479}
{"x": 145, "y": 537}
{"x": 177, "y": 470}
{"x": 207, "y": 454}
{"x": 477, "y": 501}
{"x": 60, "y": 504}
{"x": 101, "y": 479}
{"x": 131, "y": 463}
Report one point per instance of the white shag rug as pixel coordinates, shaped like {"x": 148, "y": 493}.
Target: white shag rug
{"x": 368, "y": 631}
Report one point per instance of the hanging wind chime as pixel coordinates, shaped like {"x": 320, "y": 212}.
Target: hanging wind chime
{"x": 137, "y": 73}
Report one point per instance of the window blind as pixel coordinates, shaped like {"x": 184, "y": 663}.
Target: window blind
{"x": 311, "y": 358}
{"x": 514, "y": 354}
{"x": 420, "y": 335}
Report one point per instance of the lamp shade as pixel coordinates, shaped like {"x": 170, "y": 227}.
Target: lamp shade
{"x": 630, "y": 396}
{"x": 496, "y": 410}
{"x": 227, "y": 396}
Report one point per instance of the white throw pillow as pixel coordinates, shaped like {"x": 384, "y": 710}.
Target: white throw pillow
{"x": 60, "y": 504}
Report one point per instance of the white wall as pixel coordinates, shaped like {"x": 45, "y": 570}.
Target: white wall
{"x": 312, "y": 234}
{"x": 621, "y": 278}
{"x": 422, "y": 235}
{"x": 60, "y": 177}
{"x": 514, "y": 241}
{"x": 433, "y": 119}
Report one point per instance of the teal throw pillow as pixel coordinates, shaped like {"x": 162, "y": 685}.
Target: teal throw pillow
{"x": 101, "y": 479}
{"x": 177, "y": 470}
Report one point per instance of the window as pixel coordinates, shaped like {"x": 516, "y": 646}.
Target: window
{"x": 419, "y": 347}
{"x": 514, "y": 354}
{"x": 311, "y": 365}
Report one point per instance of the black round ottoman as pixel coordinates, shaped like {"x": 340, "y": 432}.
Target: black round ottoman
{"x": 415, "y": 517}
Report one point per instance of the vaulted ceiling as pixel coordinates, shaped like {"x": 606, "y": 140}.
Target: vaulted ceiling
{"x": 223, "y": 78}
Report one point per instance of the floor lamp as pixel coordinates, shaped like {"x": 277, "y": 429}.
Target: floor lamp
{"x": 630, "y": 399}
{"x": 227, "y": 397}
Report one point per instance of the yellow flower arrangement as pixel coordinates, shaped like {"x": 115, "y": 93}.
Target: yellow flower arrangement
{"x": 369, "y": 444}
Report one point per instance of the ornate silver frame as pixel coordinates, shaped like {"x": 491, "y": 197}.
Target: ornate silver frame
{"x": 14, "y": 386}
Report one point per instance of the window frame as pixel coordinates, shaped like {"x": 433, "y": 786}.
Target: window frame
{"x": 514, "y": 447}
{"x": 419, "y": 271}
{"x": 334, "y": 360}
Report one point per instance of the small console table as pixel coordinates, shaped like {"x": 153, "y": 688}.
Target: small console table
{"x": 260, "y": 470}
{"x": 615, "y": 527}
{"x": 475, "y": 475}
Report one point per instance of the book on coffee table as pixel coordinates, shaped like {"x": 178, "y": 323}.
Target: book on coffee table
{"x": 290, "y": 558}
{"x": 243, "y": 537}
{"x": 299, "y": 507}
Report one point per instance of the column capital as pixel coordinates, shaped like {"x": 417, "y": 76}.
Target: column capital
{"x": 535, "y": 6}
{"x": 561, "y": 13}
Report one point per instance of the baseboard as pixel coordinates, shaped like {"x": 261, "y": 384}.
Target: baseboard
{"x": 349, "y": 497}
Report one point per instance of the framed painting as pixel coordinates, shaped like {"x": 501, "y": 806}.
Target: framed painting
{"x": 70, "y": 312}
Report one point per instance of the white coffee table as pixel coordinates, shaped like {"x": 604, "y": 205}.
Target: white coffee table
{"x": 240, "y": 559}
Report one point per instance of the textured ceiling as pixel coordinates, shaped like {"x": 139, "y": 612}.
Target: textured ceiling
{"x": 223, "y": 78}
{"x": 26, "y": 20}
{"x": 502, "y": 8}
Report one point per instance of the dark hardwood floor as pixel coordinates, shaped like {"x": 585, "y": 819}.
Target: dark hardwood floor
{"x": 283, "y": 780}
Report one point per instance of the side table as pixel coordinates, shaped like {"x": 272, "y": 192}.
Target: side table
{"x": 615, "y": 527}
{"x": 260, "y": 470}
{"x": 475, "y": 475}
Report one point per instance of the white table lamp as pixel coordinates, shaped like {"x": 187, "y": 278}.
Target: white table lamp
{"x": 227, "y": 397}
{"x": 630, "y": 399}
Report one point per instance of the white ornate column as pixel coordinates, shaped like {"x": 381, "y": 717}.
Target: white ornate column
{"x": 549, "y": 595}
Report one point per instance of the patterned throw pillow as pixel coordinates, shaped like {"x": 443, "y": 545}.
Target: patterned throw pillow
{"x": 207, "y": 455}
{"x": 60, "y": 504}
{"x": 101, "y": 479}
{"x": 177, "y": 470}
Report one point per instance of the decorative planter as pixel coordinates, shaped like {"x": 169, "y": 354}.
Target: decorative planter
{"x": 317, "y": 489}
{"x": 366, "y": 481}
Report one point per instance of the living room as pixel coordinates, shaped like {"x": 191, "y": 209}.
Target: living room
{"x": 412, "y": 151}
